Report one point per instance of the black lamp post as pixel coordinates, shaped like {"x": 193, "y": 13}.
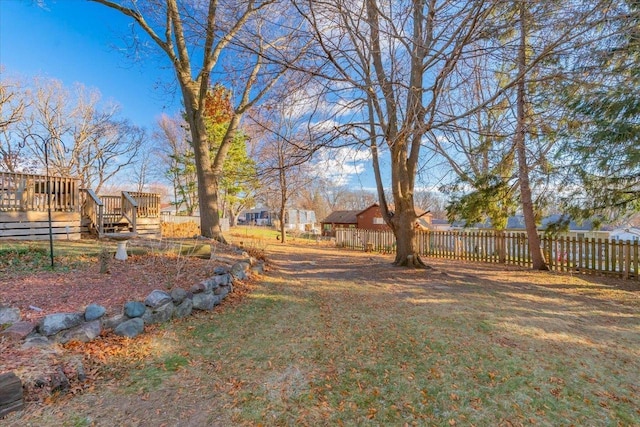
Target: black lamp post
{"x": 45, "y": 144}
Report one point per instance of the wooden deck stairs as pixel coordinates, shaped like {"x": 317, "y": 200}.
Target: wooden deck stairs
{"x": 117, "y": 217}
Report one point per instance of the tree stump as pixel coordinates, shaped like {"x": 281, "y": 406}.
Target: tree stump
{"x": 10, "y": 394}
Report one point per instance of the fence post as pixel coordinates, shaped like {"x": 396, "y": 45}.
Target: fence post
{"x": 627, "y": 259}
{"x": 501, "y": 239}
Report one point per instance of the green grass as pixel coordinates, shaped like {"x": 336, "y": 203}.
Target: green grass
{"x": 263, "y": 236}
{"x": 325, "y": 351}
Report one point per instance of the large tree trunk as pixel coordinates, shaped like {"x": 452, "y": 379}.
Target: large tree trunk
{"x": 207, "y": 181}
{"x": 404, "y": 218}
{"x": 537, "y": 257}
{"x": 405, "y": 233}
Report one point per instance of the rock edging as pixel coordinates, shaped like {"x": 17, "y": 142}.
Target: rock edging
{"x": 159, "y": 306}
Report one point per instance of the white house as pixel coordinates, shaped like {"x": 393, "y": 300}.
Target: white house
{"x": 294, "y": 219}
{"x": 624, "y": 234}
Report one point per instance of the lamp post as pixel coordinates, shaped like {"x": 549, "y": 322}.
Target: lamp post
{"x": 45, "y": 144}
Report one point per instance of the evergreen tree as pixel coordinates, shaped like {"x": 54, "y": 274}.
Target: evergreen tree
{"x": 603, "y": 126}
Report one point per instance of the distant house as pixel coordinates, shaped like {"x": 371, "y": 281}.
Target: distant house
{"x": 339, "y": 219}
{"x": 294, "y": 219}
{"x": 366, "y": 219}
{"x": 624, "y": 234}
{"x": 440, "y": 225}
{"x": 299, "y": 219}
{"x": 257, "y": 216}
{"x": 371, "y": 219}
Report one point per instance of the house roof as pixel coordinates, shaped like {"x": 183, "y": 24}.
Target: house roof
{"x": 634, "y": 231}
{"x": 437, "y": 221}
{"x": 419, "y": 212}
{"x": 342, "y": 217}
{"x": 375, "y": 205}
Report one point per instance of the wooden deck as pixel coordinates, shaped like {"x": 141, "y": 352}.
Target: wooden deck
{"x": 27, "y": 200}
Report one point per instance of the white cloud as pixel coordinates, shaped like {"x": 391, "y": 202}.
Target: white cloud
{"x": 338, "y": 165}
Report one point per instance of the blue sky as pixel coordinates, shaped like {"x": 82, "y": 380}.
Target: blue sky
{"x": 79, "y": 41}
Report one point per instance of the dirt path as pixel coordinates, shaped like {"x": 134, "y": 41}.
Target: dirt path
{"x": 326, "y": 331}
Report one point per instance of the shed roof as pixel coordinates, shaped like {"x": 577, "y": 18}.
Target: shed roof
{"x": 342, "y": 217}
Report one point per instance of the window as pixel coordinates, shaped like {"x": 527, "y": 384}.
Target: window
{"x": 378, "y": 221}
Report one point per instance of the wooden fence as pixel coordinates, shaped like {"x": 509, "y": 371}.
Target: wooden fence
{"x": 576, "y": 254}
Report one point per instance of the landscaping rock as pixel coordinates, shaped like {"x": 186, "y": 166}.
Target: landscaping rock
{"x": 208, "y": 285}
{"x": 158, "y": 314}
{"x": 222, "y": 280}
{"x": 85, "y": 332}
{"x": 131, "y": 328}
{"x": 157, "y": 298}
{"x": 19, "y": 330}
{"x": 178, "y": 295}
{"x": 113, "y": 322}
{"x": 81, "y": 373}
{"x": 36, "y": 341}
{"x": 257, "y": 268}
{"x": 223, "y": 291}
{"x": 183, "y": 309}
{"x": 134, "y": 309}
{"x": 205, "y": 301}
{"x": 199, "y": 288}
{"x": 239, "y": 270}
{"x": 251, "y": 260}
{"x": 9, "y": 315}
{"x": 54, "y": 323}
{"x": 59, "y": 381}
{"x": 94, "y": 312}
{"x": 220, "y": 270}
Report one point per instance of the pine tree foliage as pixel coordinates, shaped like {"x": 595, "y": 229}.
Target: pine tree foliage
{"x": 603, "y": 127}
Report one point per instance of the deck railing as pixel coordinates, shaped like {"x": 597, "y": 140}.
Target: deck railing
{"x": 93, "y": 208}
{"x": 129, "y": 210}
{"x": 148, "y": 204}
{"x": 29, "y": 192}
{"x": 563, "y": 253}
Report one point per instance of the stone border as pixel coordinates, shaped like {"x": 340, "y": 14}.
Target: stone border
{"x": 158, "y": 307}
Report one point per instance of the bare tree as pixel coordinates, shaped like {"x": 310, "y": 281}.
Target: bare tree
{"x": 84, "y": 138}
{"x": 200, "y": 38}
{"x": 282, "y": 158}
{"x": 394, "y": 58}
{"x": 13, "y": 104}
{"x": 142, "y": 170}
{"x": 391, "y": 65}
{"x": 176, "y": 157}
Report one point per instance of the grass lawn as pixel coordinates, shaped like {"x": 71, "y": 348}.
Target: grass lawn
{"x": 340, "y": 338}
